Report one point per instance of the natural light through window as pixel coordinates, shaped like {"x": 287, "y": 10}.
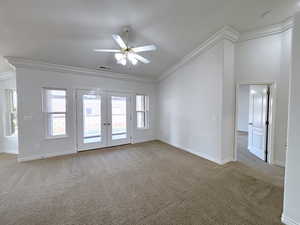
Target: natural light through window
{"x": 119, "y": 121}
{"x": 91, "y": 118}
{"x": 55, "y": 110}
{"x": 11, "y": 115}
{"x": 142, "y": 111}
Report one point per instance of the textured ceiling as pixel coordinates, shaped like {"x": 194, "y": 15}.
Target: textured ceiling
{"x": 66, "y": 31}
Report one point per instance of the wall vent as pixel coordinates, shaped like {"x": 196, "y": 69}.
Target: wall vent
{"x": 103, "y": 68}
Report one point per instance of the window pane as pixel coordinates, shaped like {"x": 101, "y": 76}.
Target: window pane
{"x": 140, "y": 120}
{"x": 57, "y": 124}
{"x": 119, "y": 122}
{"x": 14, "y": 123}
{"x": 11, "y": 115}
{"x": 14, "y": 101}
{"x": 91, "y": 118}
{"x": 55, "y": 100}
{"x": 140, "y": 103}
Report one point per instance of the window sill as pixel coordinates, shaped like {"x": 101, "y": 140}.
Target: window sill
{"x": 57, "y": 137}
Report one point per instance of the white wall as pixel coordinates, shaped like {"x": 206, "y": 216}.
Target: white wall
{"x": 292, "y": 180}
{"x": 243, "y": 108}
{"x": 228, "y": 103}
{"x": 191, "y": 104}
{"x": 267, "y": 60}
{"x": 7, "y": 144}
{"x": 31, "y": 127}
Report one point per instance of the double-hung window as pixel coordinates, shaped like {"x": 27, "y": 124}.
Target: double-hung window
{"x": 11, "y": 127}
{"x": 55, "y": 109}
{"x": 142, "y": 111}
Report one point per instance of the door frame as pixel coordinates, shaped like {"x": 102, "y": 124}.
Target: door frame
{"x": 78, "y": 105}
{"x": 105, "y": 92}
{"x": 272, "y": 115}
{"x": 129, "y": 117}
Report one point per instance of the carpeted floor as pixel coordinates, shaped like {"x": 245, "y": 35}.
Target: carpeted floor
{"x": 276, "y": 173}
{"x": 150, "y": 183}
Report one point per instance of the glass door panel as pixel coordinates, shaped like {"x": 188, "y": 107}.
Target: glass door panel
{"x": 118, "y": 132}
{"x": 118, "y": 120}
{"x": 90, "y": 117}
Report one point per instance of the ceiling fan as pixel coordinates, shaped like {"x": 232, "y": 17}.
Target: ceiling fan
{"x": 128, "y": 53}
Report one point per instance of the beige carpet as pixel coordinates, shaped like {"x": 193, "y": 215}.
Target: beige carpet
{"x": 246, "y": 157}
{"x": 150, "y": 183}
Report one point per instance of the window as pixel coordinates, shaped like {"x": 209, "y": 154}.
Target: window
{"x": 55, "y": 109}
{"x": 11, "y": 112}
{"x": 142, "y": 111}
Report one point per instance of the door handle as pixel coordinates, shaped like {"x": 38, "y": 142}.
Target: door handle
{"x": 106, "y": 124}
{"x": 250, "y": 123}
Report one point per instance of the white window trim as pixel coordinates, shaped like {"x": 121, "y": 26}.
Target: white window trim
{"x": 146, "y": 112}
{"x": 46, "y": 115}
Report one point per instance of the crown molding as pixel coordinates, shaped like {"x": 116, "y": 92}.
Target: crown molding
{"x": 6, "y": 75}
{"x": 226, "y": 33}
{"x": 34, "y": 64}
{"x": 267, "y": 31}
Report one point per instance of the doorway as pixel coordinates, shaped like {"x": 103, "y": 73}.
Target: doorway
{"x": 103, "y": 119}
{"x": 9, "y": 146}
{"x": 254, "y": 122}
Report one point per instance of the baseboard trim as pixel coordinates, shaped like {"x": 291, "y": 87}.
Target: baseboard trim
{"x": 139, "y": 141}
{"x": 44, "y": 156}
{"x": 288, "y": 221}
{"x": 279, "y": 163}
{"x": 202, "y": 155}
{"x": 228, "y": 160}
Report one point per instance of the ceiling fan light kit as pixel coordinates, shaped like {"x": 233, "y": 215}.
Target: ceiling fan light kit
{"x": 126, "y": 53}
{"x": 125, "y": 56}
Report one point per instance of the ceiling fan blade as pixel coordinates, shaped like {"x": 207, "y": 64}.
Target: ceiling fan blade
{"x": 119, "y": 41}
{"x": 107, "y": 50}
{"x": 141, "y": 58}
{"x": 146, "y": 48}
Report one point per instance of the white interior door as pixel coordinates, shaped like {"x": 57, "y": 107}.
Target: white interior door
{"x": 91, "y": 115}
{"x": 257, "y": 120}
{"x": 119, "y": 125}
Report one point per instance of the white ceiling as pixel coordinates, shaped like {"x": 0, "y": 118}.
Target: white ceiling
{"x": 66, "y": 31}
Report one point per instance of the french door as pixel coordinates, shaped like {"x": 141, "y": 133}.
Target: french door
{"x": 103, "y": 119}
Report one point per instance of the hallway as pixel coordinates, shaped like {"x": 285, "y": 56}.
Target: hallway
{"x": 245, "y": 157}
